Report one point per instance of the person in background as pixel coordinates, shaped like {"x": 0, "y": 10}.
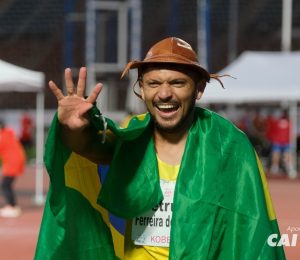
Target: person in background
{"x": 281, "y": 148}
{"x": 26, "y": 130}
{"x": 13, "y": 159}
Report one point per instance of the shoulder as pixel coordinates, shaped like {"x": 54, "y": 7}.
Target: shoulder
{"x": 216, "y": 119}
{"x": 136, "y": 119}
{"x": 223, "y": 128}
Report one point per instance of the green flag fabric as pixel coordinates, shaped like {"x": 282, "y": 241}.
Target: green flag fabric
{"x": 74, "y": 226}
{"x": 221, "y": 210}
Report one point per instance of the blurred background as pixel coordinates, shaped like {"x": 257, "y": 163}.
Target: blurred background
{"x": 38, "y": 39}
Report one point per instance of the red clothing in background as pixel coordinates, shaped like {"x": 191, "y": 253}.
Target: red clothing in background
{"x": 26, "y": 129}
{"x": 270, "y": 127}
{"x": 12, "y": 153}
{"x": 281, "y": 131}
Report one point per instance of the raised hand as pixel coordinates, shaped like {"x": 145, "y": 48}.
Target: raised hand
{"x": 73, "y": 107}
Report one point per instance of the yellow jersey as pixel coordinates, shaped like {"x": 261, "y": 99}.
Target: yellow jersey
{"x": 143, "y": 252}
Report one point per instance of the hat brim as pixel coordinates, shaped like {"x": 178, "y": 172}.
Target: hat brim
{"x": 166, "y": 60}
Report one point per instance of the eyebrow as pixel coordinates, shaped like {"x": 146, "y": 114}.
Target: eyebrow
{"x": 167, "y": 80}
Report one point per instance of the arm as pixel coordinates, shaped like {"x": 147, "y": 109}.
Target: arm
{"x": 77, "y": 134}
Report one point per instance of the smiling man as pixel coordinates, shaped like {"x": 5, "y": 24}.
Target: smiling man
{"x": 187, "y": 181}
{"x": 170, "y": 93}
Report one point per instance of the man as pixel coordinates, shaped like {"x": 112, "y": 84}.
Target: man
{"x": 186, "y": 180}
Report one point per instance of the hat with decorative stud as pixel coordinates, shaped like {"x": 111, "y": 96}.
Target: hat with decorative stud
{"x": 171, "y": 50}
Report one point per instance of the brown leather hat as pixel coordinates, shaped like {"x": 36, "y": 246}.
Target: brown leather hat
{"x": 170, "y": 50}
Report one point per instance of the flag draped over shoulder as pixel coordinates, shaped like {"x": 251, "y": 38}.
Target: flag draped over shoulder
{"x": 221, "y": 208}
{"x": 74, "y": 226}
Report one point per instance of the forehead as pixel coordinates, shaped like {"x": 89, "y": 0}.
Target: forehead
{"x": 176, "y": 70}
{"x": 165, "y": 74}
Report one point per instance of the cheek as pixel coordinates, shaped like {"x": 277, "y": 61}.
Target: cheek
{"x": 187, "y": 96}
{"x": 146, "y": 97}
{"x": 147, "y": 94}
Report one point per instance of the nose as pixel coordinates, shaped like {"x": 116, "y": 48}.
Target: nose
{"x": 165, "y": 91}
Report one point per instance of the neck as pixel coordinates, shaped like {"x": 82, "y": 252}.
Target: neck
{"x": 169, "y": 137}
{"x": 170, "y": 145}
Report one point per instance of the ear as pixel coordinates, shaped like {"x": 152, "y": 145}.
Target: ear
{"x": 199, "y": 95}
{"x": 200, "y": 89}
{"x": 142, "y": 90}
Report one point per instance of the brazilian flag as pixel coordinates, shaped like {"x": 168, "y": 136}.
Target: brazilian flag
{"x": 221, "y": 210}
{"x": 74, "y": 226}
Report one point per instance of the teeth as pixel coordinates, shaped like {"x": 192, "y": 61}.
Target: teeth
{"x": 166, "y": 106}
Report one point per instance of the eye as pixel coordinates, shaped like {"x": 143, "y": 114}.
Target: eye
{"x": 153, "y": 84}
{"x": 177, "y": 83}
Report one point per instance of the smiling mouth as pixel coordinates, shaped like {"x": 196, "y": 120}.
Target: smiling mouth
{"x": 167, "y": 107}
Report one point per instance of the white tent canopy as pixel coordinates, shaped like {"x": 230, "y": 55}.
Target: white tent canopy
{"x": 260, "y": 76}
{"x": 14, "y": 78}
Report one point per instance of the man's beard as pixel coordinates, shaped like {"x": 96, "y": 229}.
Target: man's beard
{"x": 182, "y": 122}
